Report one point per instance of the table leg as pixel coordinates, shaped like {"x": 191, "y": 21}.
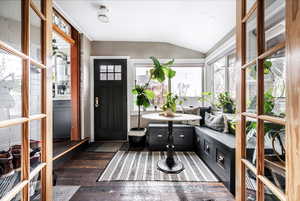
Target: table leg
{"x": 170, "y": 165}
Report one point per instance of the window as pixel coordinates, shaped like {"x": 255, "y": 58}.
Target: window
{"x": 224, "y": 76}
{"x": 186, "y": 84}
{"x": 220, "y": 76}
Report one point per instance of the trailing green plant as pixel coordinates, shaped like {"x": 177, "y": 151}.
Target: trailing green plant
{"x": 226, "y": 103}
{"x": 171, "y": 102}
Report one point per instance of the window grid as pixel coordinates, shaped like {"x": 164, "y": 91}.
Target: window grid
{"x": 26, "y": 118}
{"x": 258, "y": 170}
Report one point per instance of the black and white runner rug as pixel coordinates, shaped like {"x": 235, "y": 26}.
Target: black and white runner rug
{"x": 141, "y": 166}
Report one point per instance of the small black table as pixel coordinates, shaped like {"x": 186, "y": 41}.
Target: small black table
{"x": 170, "y": 164}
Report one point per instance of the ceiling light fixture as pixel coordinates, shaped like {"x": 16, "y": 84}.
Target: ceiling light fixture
{"x": 103, "y": 18}
{"x": 102, "y": 14}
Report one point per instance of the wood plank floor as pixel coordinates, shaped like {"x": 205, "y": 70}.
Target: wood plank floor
{"x": 84, "y": 169}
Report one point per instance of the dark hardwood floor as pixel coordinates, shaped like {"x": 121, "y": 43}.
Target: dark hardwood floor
{"x": 85, "y": 167}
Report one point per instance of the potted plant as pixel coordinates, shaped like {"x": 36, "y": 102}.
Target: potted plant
{"x": 226, "y": 103}
{"x": 143, "y": 98}
{"x": 161, "y": 72}
{"x": 169, "y": 107}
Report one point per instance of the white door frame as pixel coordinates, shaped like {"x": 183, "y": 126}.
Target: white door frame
{"x": 92, "y": 58}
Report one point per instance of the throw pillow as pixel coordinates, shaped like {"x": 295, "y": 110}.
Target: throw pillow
{"x": 214, "y": 122}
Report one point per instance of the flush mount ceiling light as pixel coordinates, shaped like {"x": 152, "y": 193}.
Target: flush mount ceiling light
{"x": 103, "y": 18}
{"x": 103, "y": 9}
{"x": 102, "y": 14}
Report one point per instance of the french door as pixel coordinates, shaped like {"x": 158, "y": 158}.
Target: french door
{"x": 25, "y": 83}
{"x": 267, "y": 161}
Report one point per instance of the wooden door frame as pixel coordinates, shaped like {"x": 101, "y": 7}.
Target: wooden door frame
{"x": 45, "y": 167}
{"x": 92, "y": 58}
{"x": 74, "y": 40}
{"x": 292, "y": 45}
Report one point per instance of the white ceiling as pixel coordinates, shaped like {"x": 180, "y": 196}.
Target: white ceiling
{"x": 194, "y": 24}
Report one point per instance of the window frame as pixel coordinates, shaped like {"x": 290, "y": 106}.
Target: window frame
{"x": 45, "y": 167}
{"x": 142, "y": 63}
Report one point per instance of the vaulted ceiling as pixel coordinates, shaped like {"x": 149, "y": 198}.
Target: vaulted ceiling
{"x": 193, "y": 24}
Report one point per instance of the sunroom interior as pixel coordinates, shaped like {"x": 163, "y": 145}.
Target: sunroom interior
{"x": 149, "y": 100}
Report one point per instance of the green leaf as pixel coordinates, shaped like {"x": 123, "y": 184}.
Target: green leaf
{"x": 134, "y": 91}
{"x": 150, "y": 94}
{"x": 146, "y": 103}
{"x": 155, "y": 62}
{"x": 267, "y": 64}
{"x": 171, "y": 73}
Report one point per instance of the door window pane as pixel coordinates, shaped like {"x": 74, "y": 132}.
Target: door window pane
{"x": 10, "y": 158}
{"x": 38, "y": 4}
{"x": 35, "y": 143}
{"x": 110, "y": 69}
{"x": 35, "y": 90}
{"x": 251, "y": 89}
{"x": 275, "y": 84}
{"x": 269, "y": 195}
{"x": 274, "y": 22}
{"x": 35, "y": 36}
{"x": 10, "y": 86}
{"x": 118, "y": 68}
{"x": 110, "y": 76}
{"x": 35, "y": 188}
{"x": 103, "y": 68}
{"x": 249, "y": 4}
{"x": 11, "y": 23}
{"x": 251, "y": 138}
{"x": 250, "y": 184}
{"x": 275, "y": 156}
{"x": 118, "y": 76}
{"x": 251, "y": 33}
{"x": 103, "y": 76}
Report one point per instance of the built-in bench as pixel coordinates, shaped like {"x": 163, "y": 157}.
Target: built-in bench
{"x": 183, "y": 136}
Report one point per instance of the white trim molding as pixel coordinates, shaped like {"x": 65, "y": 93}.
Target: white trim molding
{"x": 71, "y": 20}
{"x": 92, "y": 58}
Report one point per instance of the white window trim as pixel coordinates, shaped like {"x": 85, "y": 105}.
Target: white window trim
{"x": 135, "y": 63}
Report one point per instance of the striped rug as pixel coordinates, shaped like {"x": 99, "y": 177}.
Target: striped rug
{"x": 141, "y": 166}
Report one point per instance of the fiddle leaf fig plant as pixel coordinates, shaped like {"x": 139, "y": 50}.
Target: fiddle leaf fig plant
{"x": 161, "y": 71}
{"x": 143, "y": 95}
{"x": 143, "y": 98}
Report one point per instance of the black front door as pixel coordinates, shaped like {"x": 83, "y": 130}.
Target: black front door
{"x": 110, "y": 99}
